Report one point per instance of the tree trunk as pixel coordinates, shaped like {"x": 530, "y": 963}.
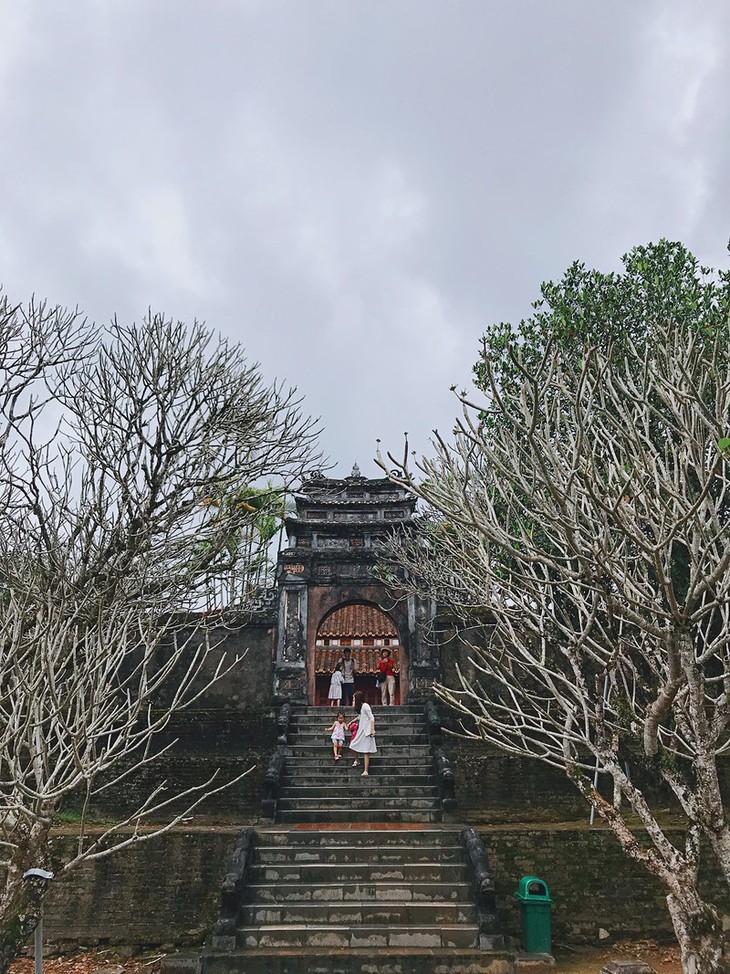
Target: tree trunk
{"x": 20, "y": 900}
{"x": 699, "y": 932}
{"x": 19, "y": 911}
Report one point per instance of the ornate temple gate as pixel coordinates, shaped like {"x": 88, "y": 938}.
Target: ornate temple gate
{"x": 330, "y": 564}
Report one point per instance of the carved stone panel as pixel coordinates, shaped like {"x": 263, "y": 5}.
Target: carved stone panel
{"x": 293, "y": 628}
{"x": 290, "y": 685}
{"x": 355, "y": 570}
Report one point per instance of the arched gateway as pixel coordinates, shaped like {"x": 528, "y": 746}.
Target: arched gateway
{"x": 329, "y": 590}
{"x": 365, "y": 630}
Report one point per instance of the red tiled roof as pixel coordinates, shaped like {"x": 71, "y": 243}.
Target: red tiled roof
{"x": 358, "y": 620}
{"x": 366, "y": 658}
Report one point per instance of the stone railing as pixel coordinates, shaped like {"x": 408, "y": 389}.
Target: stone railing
{"x": 445, "y": 777}
{"x": 433, "y": 723}
{"x": 272, "y": 783}
{"x": 282, "y": 723}
{"x": 233, "y": 889}
{"x": 482, "y": 885}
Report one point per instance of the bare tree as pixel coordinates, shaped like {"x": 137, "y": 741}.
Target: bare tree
{"x": 129, "y": 463}
{"x": 583, "y": 514}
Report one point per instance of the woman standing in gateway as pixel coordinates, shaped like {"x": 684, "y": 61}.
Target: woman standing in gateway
{"x": 364, "y": 740}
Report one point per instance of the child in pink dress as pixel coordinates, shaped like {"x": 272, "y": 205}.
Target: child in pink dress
{"x": 337, "y": 731}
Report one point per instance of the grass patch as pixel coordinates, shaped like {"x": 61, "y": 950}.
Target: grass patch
{"x": 73, "y": 816}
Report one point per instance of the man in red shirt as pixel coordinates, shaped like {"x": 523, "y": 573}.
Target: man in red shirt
{"x": 386, "y": 676}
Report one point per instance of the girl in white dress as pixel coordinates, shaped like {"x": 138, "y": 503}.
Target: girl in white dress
{"x": 364, "y": 740}
{"x": 334, "y": 694}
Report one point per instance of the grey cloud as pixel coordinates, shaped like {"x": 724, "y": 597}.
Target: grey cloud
{"x": 354, "y": 190}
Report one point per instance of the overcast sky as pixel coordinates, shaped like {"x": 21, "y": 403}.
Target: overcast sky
{"x": 354, "y": 189}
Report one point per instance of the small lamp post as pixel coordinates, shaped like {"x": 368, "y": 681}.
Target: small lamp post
{"x": 44, "y": 876}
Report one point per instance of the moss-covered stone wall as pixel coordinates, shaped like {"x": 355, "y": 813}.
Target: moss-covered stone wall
{"x": 196, "y": 746}
{"x": 165, "y": 892}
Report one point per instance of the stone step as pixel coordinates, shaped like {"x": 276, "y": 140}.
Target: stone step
{"x": 378, "y": 709}
{"x": 382, "y": 891}
{"x": 381, "y": 729}
{"x": 377, "y": 816}
{"x": 373, "y": 936}
{"x": 436, "y": 871}
{"x": 331, "y": 778}
{"x": 334, "y": 772}
{"x": 359, "y": 854}
{"x": 386, "y": 726}
{"x": 375, "y": 800}
{"x": 357, "y": 960}
{"x": 393, "y": 836}
{"x": 385, "y": 721}
{"x": 321, "y": 757}
{"x": 372, "y": 786}
{"x": 383, "y": 738}
{"x": 379, "y": 712}
{"x": 369, "y": 913}
{"x": 385, "y": 751}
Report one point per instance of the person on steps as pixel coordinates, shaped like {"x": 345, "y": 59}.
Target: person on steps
{"x": 337, "y": 731}
{"x": 334, "y": 695}
{"x": 364, "y": 740}
{"x": 386, "y": 678}
{"x": 352, "y": 727}
{"x": 349, "y": 669}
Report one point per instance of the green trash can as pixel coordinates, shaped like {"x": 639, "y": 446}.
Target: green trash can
{"x": 533, "y": 896}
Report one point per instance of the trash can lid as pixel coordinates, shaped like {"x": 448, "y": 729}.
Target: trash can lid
{"x": 533, "y": 889}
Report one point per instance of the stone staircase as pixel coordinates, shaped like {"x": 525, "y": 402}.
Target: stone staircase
{"x": 358, "y": 875}
{"x": 402, "y": 785}
{"x": 347, "y": 900}
{"x": 353, "y": 888}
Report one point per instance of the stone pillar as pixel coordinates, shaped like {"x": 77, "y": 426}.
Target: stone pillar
{"x": 290, "y": 668}
{"x": 424, "y": 658}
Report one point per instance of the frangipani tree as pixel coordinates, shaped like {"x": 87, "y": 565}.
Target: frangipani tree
{"x": 582, "y": 507}
{"x": 109, "y": 445}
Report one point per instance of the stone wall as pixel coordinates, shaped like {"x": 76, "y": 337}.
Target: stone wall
{"x": 248, "y": 686}
{"x": 592, "y": 884}
{"x": 165, "y": 892}
{"x": 161, "y": 893}
{"x": 231, "y": 729}
{"x": 494, "y": 787}
{"x": 203, "y": 743}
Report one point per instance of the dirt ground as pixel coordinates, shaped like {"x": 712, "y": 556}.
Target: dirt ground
{"x": 90, "y": 962}
{"x": 588, "y": 960}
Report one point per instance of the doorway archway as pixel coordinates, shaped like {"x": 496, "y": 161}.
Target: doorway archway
{"x": 366, "y": 630}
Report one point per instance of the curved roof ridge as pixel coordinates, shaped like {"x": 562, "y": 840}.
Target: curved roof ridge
{"x": 358, "y": 619}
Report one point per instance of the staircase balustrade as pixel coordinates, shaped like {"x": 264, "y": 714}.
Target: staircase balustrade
{"x": 282, "y": 723}
{"x": 272, "y": 782}
{"x": 433, "y": 723}
{"x": 445, "y": 776}
{"x": 482, "y": 884}
{"x": 232, "y": 890}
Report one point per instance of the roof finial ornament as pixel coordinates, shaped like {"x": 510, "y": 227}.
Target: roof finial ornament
{"x": 355, "y": 471}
